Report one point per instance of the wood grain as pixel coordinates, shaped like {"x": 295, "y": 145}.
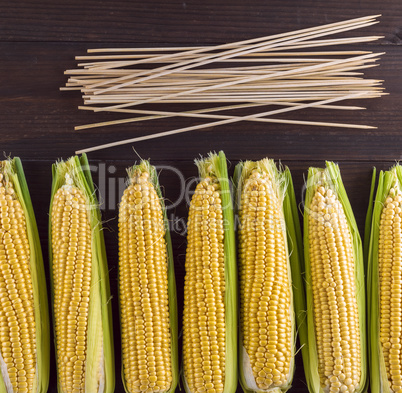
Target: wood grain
{"x": 39, "y": 39}
{"x": 35, "y": 113}
{"x": 185, "y": 21}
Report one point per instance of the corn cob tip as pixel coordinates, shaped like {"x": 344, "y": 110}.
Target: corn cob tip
{"x": 266, "y": 305}
{"x": 83, "y": 336}
{"x": 333, "y": 263}
{"x": 24, "y": 356}
{"x": 390, "y": 290}
{"x": 147, "y": 344}
{"x": 210, "y": 340}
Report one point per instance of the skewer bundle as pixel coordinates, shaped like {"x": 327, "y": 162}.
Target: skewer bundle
{"x": 269, "y": 75}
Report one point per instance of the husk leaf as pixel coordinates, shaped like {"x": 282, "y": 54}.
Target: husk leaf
{"x": 145, "y": 166}
{"x": 12, "y": 168}
{"x": 215, "y": 166}
{"x": 331, "y": 177}
{"x": 283, "y": 187}
{"x": 100, "y": 351}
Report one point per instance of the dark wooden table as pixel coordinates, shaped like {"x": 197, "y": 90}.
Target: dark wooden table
{"x": 39, "y": 39}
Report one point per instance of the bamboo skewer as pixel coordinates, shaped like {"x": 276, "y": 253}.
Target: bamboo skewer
{"x": 224, "y": 108}
{"x": 227, "y": 121}
{"x": 245, "y": 42}
{"x": 250, "y": 56}
{"x": 197, "y": 50}
{"x": 270, "y": 113}
{"x": 164, "y": 114}
{"x": 249, "y": 79}
{"x": 278, "y": 70}
{"x": 258, "y": 54}
{"x": 197, "y": 113}
{"x": 232, "y": 53}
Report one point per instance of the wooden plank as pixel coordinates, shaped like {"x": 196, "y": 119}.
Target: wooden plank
{"x": 153, "y": 22}
{"x": 37, "y": 119}
{"x": 39, "y": 39}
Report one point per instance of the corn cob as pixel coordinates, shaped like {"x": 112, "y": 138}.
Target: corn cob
{"x": 267, "y": 328}
{"x": 147, "y": 287}
{"x": 334, "y": 287}
{"x": 80, "y": 284}
{"x": 24, "y": 326}
{"x": 210, "y": 295}
{"x": 384, "y": 282}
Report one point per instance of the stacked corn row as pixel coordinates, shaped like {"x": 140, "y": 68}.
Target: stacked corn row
{"x": 71, "y": 235}
{"x": 24, "y": 326}
{"x": 147, "y": 287}
{"x": 389, "y": 266}
{"x": 384, "y": 244}
{"x": 267, "y": 333}
{"x": 333, "y": 338}
{"x": 335, "y": 288}
{"x": 209, "y": 315}
{"x": 83, "y": 337}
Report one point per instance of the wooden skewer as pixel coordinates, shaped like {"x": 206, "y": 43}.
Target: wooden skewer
{"x": 112, "y": 73}
{"x": 324, "y": 73}
{"x": 245, "y": 99}
{"x": 187, "y": 64}
{"x": 277, "y": 73}
{"x": 338, "y": 41}
{"x": 258, "y": 54}
{"x": 231, "y": 107}
{"x": 297, "y": 71}
{"x": 309, "y": 44}
{"x": 109, "y": 75}
{"x": 256, "y": 78}
{"x": 201, "y": 49}
{"x": 156, "y": 49}
{"x": 280, "y": 84}
{"x": 115, "y": 73}
{"x": 189, "y": 77}
{"x": 240, "y": 96}
{"x": 263, "y": 84}
{"x": 254, "y": 100}
{"x": 154, "y": 117}
{"x": 220, "y": 100}
{"x": 201, "y": 126}
{"x": 228, "y": 121}
{"x": 274, "y": 42}
{"x": 162, "y": 114}
{"x": 265, "y": 114}
{"x": 233, "y": 93}
{"x": 195, "y": 71}
{"x": 271, "y": 60}
{"x": 111, "y": 64}
{"x": 267, "y": 120}
{"x": 161, "y": 49}
{"x": 269, "y": 84}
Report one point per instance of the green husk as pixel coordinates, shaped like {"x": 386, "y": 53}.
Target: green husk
{"x": 378, "y": 375}
{"x": 100, "y": 335}
{"x": 367, "y": 224}
{"x": 145, "y": 166}
{"x": 295, "y": 244}
{"x": 331, "y": 177}
{"x": 284, "y": 187}
{"x": 13, "y": 170}
{"x": 215, "y": 166}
